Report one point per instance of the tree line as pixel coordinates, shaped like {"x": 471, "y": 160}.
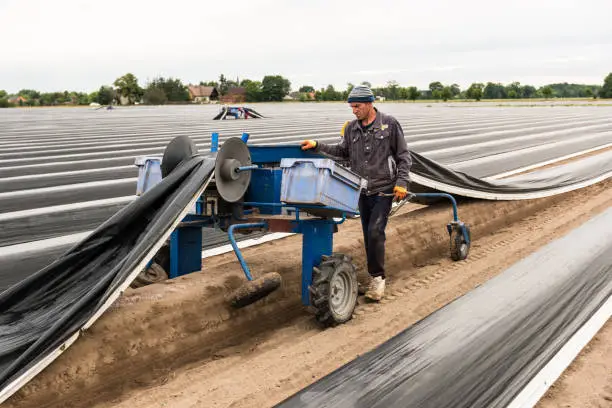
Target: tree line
{"x": 160, "y": 90}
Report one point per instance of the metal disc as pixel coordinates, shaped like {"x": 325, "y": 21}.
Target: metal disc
{"x": 179, "y": 150}
{"x": 230, "y": 184}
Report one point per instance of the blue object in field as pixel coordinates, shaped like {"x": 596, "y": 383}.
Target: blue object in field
{"x": 320, "y": 181}
{"x": 245, "y": 137}
{"x": 149, "y": 173}
{"x": 214, "y": 142}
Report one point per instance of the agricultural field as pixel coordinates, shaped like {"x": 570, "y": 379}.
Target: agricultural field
{"x": 65, "y": 171}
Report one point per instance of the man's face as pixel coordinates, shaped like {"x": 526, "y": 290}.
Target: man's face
{"x": 361, "y": 109}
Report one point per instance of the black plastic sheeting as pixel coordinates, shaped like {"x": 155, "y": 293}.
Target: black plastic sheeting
{"x": 483, "y": 348}
{"x": 567, "y": 177}
{"x": 47, "y": 308}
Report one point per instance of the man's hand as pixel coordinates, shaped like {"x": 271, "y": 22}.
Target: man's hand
{"x": 400, "y": 192}
{"x": 309, "y": 144}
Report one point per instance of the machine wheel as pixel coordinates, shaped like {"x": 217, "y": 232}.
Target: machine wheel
{"x": 153, "y": 274}
{"x": 333, "y": 292}
{"x": 256, "y": 289}
{"x": 459, "y": 248}
{"x": 180, "y": 149}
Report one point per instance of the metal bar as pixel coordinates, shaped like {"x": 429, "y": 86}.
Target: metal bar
{"x": 297, "y": 206}
{"x": 438, "y": 195}
{"x": 232, "y": 239}
{"x": 247, "y": 168}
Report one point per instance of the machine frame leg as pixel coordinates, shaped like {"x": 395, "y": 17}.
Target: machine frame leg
{"x": 185, "y": 251}
{"x": 317, "y": 240}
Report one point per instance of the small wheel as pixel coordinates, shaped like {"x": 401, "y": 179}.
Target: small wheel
{"x": 256, "y": 289}
{"x": 333, "y": 292}
{"x": 459, "y": 248}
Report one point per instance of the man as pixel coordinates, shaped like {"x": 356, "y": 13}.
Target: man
{"x": 375, "y": 147}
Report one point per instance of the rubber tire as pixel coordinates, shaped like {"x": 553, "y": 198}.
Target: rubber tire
{"x": 179, "y": 150}
{"x": 254, "y": 290}
{"x": 459, "y": 249}
{"x": 320, "y": 298}
{"x": 153, "y": 274}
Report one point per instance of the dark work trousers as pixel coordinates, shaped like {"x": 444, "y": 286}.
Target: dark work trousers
{"x": 374, "y": 213}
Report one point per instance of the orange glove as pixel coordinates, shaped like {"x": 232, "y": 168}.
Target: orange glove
{"x": 309, "y": 144}
{"x": 400, "y": 192}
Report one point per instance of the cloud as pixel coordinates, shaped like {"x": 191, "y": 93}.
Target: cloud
{"x": 72, "y": 44}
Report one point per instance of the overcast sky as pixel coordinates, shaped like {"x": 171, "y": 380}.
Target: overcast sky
{"x": 79, "y": 45}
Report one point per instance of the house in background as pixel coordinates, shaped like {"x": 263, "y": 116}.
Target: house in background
{"x": 202, "y": 94}
{"x": 234, "y": 95}
{"x": 18, "y": 100}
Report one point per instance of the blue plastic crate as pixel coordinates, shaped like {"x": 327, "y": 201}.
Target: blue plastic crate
{"x": 320, "y": 182}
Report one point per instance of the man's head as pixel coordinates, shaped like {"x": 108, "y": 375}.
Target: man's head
{"x": 360, "y": 99}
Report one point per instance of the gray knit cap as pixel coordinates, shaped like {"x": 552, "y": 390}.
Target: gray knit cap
{"x": 361, "y": 93}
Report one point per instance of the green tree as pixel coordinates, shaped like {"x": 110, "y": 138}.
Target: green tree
{"x": 93, "y": 97}
{"x": 223, "y": 87}
{"x": 547, "y": 91}
{"x": 588, "y": 92}
{"x": 436, "y": 94}
{"x": 106, "y": 95}
{"x": 210, "y": 83}
{"x": 606, "y": 89}
{"x": 475, "y": 91}
{"x": 3, "y": 93}
{"x": 306, "y": 89}
{"x": 514, "y": 90}
{"x": 413, "y": 93}
{"x": 127, "y": 86}
{"x": 29, "y": 94}
{"x": 446, "y": 93}
{"x": 275, "y": 87}
{"x": 155, "y": 96}
{"x": 254, "y": 91}
{"x": 330, "y": 94}
{"x": 174, "y": 89}
{"x": 494, "y": 91}
{"x": 393, "y": 90}
{"x": 436, "y": 86}
{"x": 528, "y": 91}
{"x": 455, "y": 90}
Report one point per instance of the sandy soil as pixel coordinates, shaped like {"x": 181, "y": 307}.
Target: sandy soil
{"x": 587, "y": 383}
{"x": 178, "y": 344}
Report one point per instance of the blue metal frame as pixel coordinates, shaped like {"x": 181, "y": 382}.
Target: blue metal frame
{"x": 318, "y": 233}
{"x": 317, "y": 240}
{"x": 232, "y": 239}
{"x": 275, "y": 153}
{"x": 185, "y": 241}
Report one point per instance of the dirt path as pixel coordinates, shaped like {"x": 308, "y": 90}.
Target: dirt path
{"x": 177, "y": 344}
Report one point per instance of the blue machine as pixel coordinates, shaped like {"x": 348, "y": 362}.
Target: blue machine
{"x": 281, "y": 188}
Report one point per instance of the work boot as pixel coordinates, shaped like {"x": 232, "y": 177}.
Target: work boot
{"x": 376, "y": 290}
